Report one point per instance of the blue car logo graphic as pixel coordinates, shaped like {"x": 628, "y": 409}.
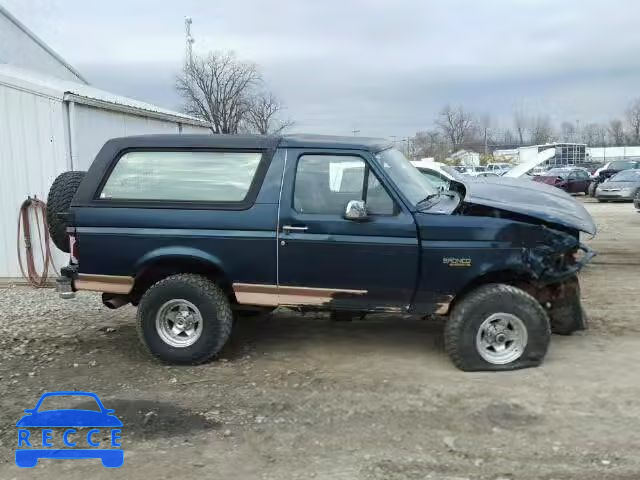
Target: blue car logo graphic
{"x": 29, "y": 441}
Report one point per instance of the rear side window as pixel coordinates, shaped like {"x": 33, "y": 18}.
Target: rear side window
{"x": 182, "y": 176}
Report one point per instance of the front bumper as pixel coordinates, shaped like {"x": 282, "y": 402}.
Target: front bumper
{"x": 618, "y": 195}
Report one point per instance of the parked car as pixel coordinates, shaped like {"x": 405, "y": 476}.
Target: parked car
{"x": 569, "y": 179}
{"x": 498, "y": 168}
{"x": 624, "y": 185}
{"x": 474, "y": 170}
{"x": 196, "y": 230}
{"x": 439, "y": 174}
{"x": 608, "y": 170}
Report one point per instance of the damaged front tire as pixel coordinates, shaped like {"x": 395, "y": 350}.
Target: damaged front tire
{"x": 497, "y": 327}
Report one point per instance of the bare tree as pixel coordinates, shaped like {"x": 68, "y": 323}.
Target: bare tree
{"x": 430, "y": 143}
{"x": 262, "y": 115}
{"x": 594, "y": 134}
{"x": 521, "y": 123}
{"x": 633, "y": 117}
{"x": 508, "y": 137}
{"x": 456, "y": 125}
{"x": 616, "y": 132}
{"x": 486, "y": 132}
{"x": 568, "y": 132}
{"x": 217, "y": 88}
{"x": 541, "y": 130}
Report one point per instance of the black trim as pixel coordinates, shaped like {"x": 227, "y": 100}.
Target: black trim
{"x": 100, "y": 172}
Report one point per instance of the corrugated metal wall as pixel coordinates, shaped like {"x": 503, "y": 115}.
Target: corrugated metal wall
{"x": 34, "y": 149}
{"x": 32, "y": 153}
{"x": 95, "y": 126}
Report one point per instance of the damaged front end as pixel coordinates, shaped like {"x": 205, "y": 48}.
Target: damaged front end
{"x": 553, "y": 269}
{"x": 560, "y": 257}
{"x": 551, "y": 254}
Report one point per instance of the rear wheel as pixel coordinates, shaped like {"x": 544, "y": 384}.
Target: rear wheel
{"x": 497, "y": 327}
{"x": 184, "y": 319}
{"x": 61, "y": 194}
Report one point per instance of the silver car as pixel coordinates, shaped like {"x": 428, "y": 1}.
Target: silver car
{"x": 622, "y": 186}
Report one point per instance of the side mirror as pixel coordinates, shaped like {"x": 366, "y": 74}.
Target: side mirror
{"x": 356, "y": 210}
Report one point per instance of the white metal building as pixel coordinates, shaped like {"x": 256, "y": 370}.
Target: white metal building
{"x": 466, "y": 157}
{"x": 609, "y": 154}
{"x": 49, "y": 125}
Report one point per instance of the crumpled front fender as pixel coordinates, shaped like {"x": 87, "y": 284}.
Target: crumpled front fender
{"x": 558, "y": 258}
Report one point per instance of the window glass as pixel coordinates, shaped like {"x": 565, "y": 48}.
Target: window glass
{"x": 186, "y": 176}
{"x": 378, "y": 200}
{"x": 326, "y": 183}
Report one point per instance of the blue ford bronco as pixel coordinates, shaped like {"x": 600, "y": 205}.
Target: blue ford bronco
{"x": 199, "y": 230}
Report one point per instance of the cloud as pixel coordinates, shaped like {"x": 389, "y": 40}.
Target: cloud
{"x": 383, "y": 67}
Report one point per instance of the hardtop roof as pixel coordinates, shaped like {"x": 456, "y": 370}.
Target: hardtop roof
{"x": 258, "y": 142}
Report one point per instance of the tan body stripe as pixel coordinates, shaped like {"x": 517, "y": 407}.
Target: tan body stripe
{"x": 272, "y": 295}
{"x": 104, "y": 283}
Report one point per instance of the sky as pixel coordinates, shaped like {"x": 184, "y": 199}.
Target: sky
{"x": 383, "y": 67}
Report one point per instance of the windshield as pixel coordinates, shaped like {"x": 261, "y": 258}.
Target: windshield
{"x": 621, "y": 165}
{"x": 414, "y": 185}
{"x": 626, "y": 176}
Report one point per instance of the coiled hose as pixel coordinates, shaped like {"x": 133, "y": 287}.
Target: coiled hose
{"x": 36, "y": 209}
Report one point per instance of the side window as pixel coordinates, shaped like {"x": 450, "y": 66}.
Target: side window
{"x": 326, "y": 183}
{"x": 182, "y": 176}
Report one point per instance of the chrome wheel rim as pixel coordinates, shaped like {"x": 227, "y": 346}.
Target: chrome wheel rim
{"x": 501, "y": 338}
{"x": 179, "y": 323}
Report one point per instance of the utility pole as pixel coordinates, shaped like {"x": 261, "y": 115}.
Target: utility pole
{"x": 355, "y": 132}
{"x": 486, "y": 145}
{"x": 189, "y": 41}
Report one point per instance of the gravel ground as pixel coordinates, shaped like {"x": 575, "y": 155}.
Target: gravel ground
{"x": 298, "y": 397}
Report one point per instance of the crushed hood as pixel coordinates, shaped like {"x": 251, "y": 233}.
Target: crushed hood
{"x": 533, "y": 199}
{"x": 522, "y": 169}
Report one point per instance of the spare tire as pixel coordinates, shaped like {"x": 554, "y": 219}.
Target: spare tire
{"x": 61, "y": 193}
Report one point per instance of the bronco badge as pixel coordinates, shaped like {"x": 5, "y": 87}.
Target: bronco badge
{"x": 457, "y": 261}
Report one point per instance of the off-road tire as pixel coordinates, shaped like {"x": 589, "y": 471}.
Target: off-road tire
{"x": 470, "y": 312}
{"x": 214, "y": 307}
{"x": 61, "y": 193}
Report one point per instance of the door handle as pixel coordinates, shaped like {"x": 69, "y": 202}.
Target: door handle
{"x": 291, "y": 228}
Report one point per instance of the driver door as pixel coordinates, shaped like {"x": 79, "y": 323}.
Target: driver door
{"x": 325, "y": 259}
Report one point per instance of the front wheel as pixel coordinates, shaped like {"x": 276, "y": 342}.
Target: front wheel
{"x": 184, "y": 319}
{"x": 497, "y": 327}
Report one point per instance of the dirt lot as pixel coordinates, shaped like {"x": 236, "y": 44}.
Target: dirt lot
{"x": 299, "y": 397}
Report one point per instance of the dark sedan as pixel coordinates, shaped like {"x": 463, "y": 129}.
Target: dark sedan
{"x": 571, "y": 180}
